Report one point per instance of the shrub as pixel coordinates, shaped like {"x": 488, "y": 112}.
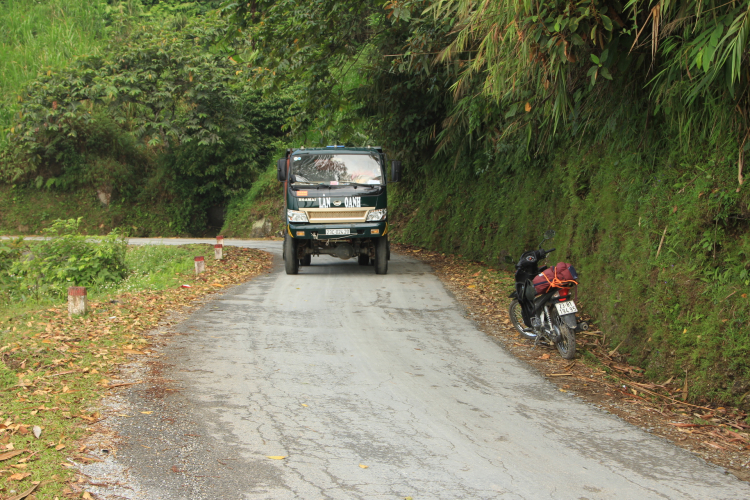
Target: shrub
{"x": 68, "y": 258}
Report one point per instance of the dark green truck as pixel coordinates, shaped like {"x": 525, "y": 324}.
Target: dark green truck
{"x": 336, "y": 204}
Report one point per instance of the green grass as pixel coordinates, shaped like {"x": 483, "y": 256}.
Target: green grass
{"x": 44, "y": 35}
{"x": 154, "y": 267}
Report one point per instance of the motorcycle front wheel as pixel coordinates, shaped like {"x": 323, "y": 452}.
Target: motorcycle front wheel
{"x": 516, "y": 317}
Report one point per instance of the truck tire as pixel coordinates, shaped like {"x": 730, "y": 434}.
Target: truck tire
{"x": 306, "y": 261}
{"x": 291, "y": 262}
{"x": 389, "y": 250}
{"x": 381, "y": 255}
{"x": 363, "y": 260}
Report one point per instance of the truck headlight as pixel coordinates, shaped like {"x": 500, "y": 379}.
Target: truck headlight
{"x": 296, "y": 216}
{"x": 376, "y": 215}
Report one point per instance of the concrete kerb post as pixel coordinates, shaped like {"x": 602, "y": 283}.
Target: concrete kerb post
{"x": 77, "y": 303}
{"x": 220, "y": 240}
{"x": 200, "y": 265}
{"x": 218, "y": 251}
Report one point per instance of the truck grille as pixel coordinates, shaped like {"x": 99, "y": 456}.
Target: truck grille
{"x": 332, "y": 215}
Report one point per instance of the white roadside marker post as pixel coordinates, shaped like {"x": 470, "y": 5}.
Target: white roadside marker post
{"x": 219, "y": 251}
{"x": 200, "y": 265}
{"x": 220, "y": 240}
{"x": 77, "y": 304}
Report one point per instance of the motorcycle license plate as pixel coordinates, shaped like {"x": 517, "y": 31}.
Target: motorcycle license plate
{"x": 337, "y": 231}
{"x": 568, "y": 307}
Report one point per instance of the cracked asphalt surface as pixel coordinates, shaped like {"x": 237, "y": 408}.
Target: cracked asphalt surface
{"x": 338, "y": 368}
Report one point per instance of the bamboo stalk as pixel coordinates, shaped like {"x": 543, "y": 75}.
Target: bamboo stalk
{"x": 664, "y": 234}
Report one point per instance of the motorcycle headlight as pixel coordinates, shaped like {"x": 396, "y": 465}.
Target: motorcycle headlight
{"x": 377, "y": 215}
{"x": 296, "y": 216}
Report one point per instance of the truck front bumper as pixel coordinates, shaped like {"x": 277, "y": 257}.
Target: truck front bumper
{"x": 307, "y": 231}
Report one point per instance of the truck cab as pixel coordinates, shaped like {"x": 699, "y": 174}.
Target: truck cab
{"x": 336, "y": 204}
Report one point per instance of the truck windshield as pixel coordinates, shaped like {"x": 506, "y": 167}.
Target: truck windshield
{"x": 333, "y": 170}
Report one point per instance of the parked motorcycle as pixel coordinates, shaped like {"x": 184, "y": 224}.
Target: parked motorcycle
{"x": 543, "y": 308}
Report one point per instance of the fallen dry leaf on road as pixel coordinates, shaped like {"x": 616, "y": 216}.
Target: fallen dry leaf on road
{"x": 361, "y": 466}
{"x": 279, "y": 457}
{"x": 132, "y": 351}
{"x": 147, "y": 412}
{"x": 10, "y": 454}
{"x": 26, "y": 493}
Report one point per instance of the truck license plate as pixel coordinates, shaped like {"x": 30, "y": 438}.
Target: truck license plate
{"x": 568, "y": 307}
{"x": 337, "y": 231}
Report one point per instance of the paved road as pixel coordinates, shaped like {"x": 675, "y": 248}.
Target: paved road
{"x": 338, "y": 368}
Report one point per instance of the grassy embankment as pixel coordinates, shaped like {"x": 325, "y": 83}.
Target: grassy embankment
{"x": 26, "y": 210}
{"x": 43, "y": 36}
{"x": 265, "y": 200}
{"x": 54, "y": 368}
{"x": 679, "y": 308}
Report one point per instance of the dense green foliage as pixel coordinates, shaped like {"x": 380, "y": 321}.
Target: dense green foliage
{"x": 163, "y": 112}
{"x": 42, "y": 36}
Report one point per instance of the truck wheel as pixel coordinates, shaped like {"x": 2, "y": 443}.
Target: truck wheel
{"x": 306, "y": 261}
{"x": 363, "y": 260}
{"x": 389, "y": 250}
{"x": 381, "y": 255}
{"x": 291, "y": 262}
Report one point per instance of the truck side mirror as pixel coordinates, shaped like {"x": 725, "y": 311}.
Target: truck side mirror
{"x": 395, "y": 171}
{"x": 281, "y": 169}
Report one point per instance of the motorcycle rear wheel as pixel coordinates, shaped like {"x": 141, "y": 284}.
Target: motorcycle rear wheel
{"x": 567, "y": 343}
{"x": 516, "y": 317}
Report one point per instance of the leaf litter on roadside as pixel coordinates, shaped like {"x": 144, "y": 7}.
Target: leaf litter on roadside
{"x": 55, "y": 368}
